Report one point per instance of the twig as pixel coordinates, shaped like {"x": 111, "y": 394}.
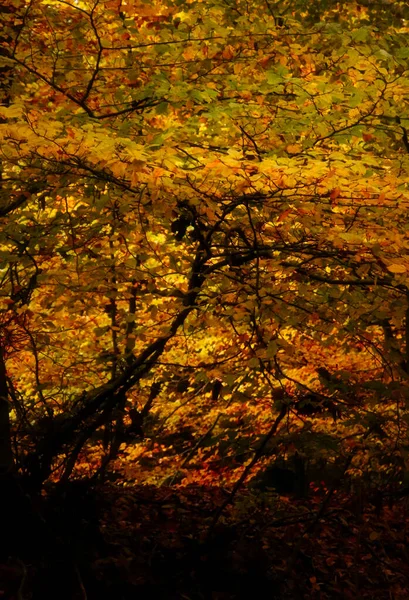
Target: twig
{"x": 258, "y": 454}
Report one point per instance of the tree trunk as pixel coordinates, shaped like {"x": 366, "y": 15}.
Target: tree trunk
{"x": 6, "y": 454}
{"x": 9, "y": 489}
{"x": 14, "y": 513}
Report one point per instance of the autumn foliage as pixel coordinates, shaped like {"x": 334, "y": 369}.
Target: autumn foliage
{"x": 204, "y": 243}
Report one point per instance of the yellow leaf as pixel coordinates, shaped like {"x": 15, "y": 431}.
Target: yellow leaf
{"x": 15, "y": 110}
{"x": 395, "y": 268}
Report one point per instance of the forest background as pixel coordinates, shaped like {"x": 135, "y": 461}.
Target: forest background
{"x": 204, "y": 241}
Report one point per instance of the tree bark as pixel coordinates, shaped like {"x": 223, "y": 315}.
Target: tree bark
{"x": 15, "y": 509}
{"x": 6, "y": 454}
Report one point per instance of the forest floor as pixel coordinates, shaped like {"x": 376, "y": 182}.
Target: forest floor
{"x": 147, "y": 542}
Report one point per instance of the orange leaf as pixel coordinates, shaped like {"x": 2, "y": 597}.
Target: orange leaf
{"x": 335, "y": 193}
{"x": 228, "y": 52}
{"x": 284, "y": 215}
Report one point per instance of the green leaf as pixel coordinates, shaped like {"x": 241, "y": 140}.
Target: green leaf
{"x": 100, "y": 331}
{"x": 162, "y": 108}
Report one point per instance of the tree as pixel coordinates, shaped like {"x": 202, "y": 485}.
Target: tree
{"x": 197, "y": 188}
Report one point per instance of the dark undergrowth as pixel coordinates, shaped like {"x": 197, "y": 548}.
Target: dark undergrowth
{"x": 142, "y": 542}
